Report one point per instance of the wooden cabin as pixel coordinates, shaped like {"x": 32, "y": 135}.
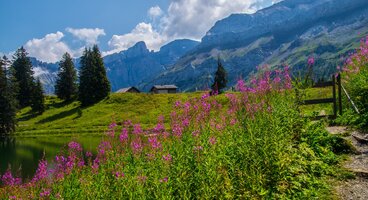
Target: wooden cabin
{"x": 128, "y": 89}
{"x": 164, "y": 89}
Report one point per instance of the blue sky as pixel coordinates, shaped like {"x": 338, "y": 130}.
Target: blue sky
{"x": 48, "y": 28}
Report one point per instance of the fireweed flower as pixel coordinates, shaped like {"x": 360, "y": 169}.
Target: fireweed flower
{"x": 198, "y": 148}
{"x": 159, "y": 128}
{"x": 41, "y": 172}
{"x": 167, "y": 157}
{"x": 89, "y": 154}
{"x": 111, "y": 131}
{"x": 136, "y": 145}
{"x": 205, "y": 96}
{"x": 142, "y": 179}
{"x": 212, "y": 140}
{"x": 177, "y": 130}
{"x": 128, "y": 123}
{"x": 137, "y": 129}
{"x": 95, "y": 165}
{"x": 9, "y": 180}
{"x": 311, "y": 61}
{"x": 155, "y": 144}
{"x": 124, "y": 135}
{"x": 195, "y": 133}
{"x": 178, "y": 104}
{"x": 164, "y": 180}
{"x": 186, "y": 122}
{"x": 45, "y": 193}
{"x": 75, "y": 146}
{"x": 81, "y": 163}
{"x": 233, "y": 121}
{"x": 119, "y": 175}
{"x": 241, "y": 86}
{"x": 112, "y": 125}
{"x": 103, "y": 147}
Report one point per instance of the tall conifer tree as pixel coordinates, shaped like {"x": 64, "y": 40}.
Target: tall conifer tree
{"x": 220, "y": 78}
{"x": 7, "y": 102}
{"x": 23, "y": 74}
{"x": 66, "y": 84}
{"x": 102, "y": 84}
{"x": 93, "y": 83}
{"x": 38, "y": 98}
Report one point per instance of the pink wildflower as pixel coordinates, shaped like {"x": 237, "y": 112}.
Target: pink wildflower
{"x": 155, "y": 144}
{"x": 137, "y": 129}
{"x": 41, "y": 172}
{"x": 119, "y": 175}
{"x": 195, "y": 133}
{"x": 75, "y": 146}
{"x": 212, "y": 140}
{"x": 136, "y": 145}
{"x": 45, "y": 193}
{"x": 124, "y": 135}
{"x": 9, "y": 180}
{"x": 89, "y": 154}
{"x": 311, "y": 61}
{"x": 164, "y": 180}
{"x": 142, "y": 179}
{"x": 167, "y": 157}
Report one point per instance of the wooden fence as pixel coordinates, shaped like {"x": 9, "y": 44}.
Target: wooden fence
{"x": 335, "y": 100}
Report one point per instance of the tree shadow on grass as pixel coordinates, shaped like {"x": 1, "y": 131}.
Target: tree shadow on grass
{"x": 59, "y": 115}
{"x": 60, "y": 104}
{"x": 28, "y": 115}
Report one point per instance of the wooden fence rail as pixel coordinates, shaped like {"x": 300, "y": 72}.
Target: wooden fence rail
{"x": 335, "y": 100}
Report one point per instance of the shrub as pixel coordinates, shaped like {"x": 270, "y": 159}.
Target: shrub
{"x": 355, "y": 77}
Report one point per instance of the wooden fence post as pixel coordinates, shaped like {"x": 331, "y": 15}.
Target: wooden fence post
{"x": 334, "y": 96}
{"x": 339, "y": 91}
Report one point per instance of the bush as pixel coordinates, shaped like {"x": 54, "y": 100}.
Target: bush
{"x": 355, "y": 77}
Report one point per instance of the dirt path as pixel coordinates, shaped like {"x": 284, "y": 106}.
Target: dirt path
{"x": 358, "y": 164}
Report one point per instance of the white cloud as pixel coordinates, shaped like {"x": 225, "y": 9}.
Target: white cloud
{"x": 49, "y": 48}
{"x": 38, "y": 71}
{"x": 142, "y": 32}
{"x": 88, "y": 35}
{"x": 193, "y": 18}
{"x": 184, "y": 19}
{"x": 155, "y": 12}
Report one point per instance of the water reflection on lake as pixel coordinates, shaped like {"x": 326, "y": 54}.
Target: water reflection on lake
{"x": 23, "y": 153}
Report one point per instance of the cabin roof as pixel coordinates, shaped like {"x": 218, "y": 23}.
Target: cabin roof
{"x": 162, "y": 87}
{"x": 123, "y": 90}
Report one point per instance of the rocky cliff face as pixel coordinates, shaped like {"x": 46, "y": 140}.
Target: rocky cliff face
{"x": 128, "y": 68}
{"x": 287, "y": 32}
{"x": 137, "y": 65}
{"x": 46, "y": 72}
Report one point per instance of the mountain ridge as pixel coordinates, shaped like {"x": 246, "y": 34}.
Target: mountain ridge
{"x": 321, "y": 29}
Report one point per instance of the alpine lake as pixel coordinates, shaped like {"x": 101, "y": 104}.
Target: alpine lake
{"x": 22, "y": 154}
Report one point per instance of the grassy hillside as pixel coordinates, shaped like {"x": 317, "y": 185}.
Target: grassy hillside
{"x": 70, "y": 118}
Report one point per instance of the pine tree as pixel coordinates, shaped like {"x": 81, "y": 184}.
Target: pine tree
{"x": 66, "y": 83}
{"x": 102, "y": 84}
{"x": 23, "y": 74}
{"x": 85, "y": 92}
{"x": 38, "y": 98}
{"x": 8, "y": 120}
{"x": 220, "y": 78}
{"x": 93, "y": 83}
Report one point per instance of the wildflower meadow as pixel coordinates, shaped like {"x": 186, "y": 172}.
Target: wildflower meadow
{"x": 251, "y": 144}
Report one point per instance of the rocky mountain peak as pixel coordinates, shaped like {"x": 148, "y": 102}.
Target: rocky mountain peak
{"x": 139, "y": 49}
